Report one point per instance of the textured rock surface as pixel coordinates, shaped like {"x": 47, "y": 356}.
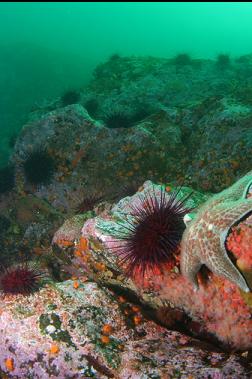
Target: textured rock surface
{"x": 181, "y": 115}
{"x": 27, "y": 225}
{"x": 66, "y": 331}
{"x": 219, "y": 308}
{"x": 93, "y": 160}
{"x": 223, "y": 136}
{"x": 207, "y": 101}
{"x": 192, "y": 127}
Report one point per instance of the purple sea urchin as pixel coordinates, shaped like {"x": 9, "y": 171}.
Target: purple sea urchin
{"x": 88, "y": 203}
{"x": 117, "y": 119}
{"x": 70, "y": 97}
{"x": 127, "y": 189}
{"x": 20, "y": 279}
{"x": 39, "y": 167}
{"x": 151, "y": 239}
{"x": 7, "y": 179}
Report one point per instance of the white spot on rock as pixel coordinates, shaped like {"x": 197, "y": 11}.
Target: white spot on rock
{"x": 50, "y": 329}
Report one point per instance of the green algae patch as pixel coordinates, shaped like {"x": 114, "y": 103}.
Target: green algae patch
{"x": 92, "y": 319}
{"x": 22, "y": 311}
{"x": 110, "y": 351}
{"x": 50, "y": 324}
{"x": 52, "y": 307}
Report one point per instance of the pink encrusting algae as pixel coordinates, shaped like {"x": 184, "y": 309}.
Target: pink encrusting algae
{"x": 239, "y": 242}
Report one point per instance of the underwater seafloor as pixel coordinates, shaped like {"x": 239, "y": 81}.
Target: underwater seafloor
{"x": 86, "y": 173}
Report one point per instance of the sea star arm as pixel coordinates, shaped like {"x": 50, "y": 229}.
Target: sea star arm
{"x": 204, "y": 241}
{"x": 219, "y": 264}
{"x": 222, "y": 265}
{"x": 237, "y": 191}
{"x": 227, "y": 214}
{"x": 190, "y": 265}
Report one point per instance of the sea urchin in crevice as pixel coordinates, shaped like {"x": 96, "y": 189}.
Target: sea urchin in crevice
{"x": 39, "y": 167}
{"x": 7, "y": 179}
{"x": 117, "y": 119}
{"x": 22, "y": 279}
{"x": 150, "y": 241}
{"x": 88, "y": 203}
{"x": 70, "y": 97}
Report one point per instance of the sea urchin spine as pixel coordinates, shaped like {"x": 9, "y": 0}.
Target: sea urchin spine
{"x": 150, "y": 240}
{"x": 20, "y": 279}
{"x": 39, "y": 167}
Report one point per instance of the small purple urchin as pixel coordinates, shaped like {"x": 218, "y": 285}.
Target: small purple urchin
{"x": 150, "y": 241}
{"x": 88, "y": 203}
{"x": 20, "y": 279}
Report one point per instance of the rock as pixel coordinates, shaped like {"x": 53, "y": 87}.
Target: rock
{"x": 201, "y": 103}
{"x": 218, "y": 307}
{"x": 150, "y": 82}
{"x": 211, "y": 106}
{"x": 93, "y": 160}
{"x": 217, "y": 162}
{"x": 180, "y": 115}
{"x": 239, "y": 244}
{"x": 70, "y": 231}
{"x": 28, "y": 226}
{"x": 69, "y": 331}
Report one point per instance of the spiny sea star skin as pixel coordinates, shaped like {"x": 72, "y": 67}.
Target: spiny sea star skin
{"x": 204, "y": 240}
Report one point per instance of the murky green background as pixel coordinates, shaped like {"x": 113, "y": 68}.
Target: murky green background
{"x": 47, "y": 48}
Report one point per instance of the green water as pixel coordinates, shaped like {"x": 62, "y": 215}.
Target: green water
{"x": 47, "y": 48}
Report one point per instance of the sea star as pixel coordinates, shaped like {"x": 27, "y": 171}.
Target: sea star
{"x": 204, "y": 239}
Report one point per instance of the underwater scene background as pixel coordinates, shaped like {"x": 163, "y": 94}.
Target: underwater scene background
{"x": 125, "y": 190}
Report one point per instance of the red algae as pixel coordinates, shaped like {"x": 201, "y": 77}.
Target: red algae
{"x": 239, "y": 242}
{"x": 219, "y": 307}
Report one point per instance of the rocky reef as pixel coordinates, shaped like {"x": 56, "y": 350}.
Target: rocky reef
{"x": 69, "y": 331}
{"x": 219, "y": 308}
{"x": 100, "y": 323}
{"x": 78, "y": 173}
{"x": 140, "y": 112}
